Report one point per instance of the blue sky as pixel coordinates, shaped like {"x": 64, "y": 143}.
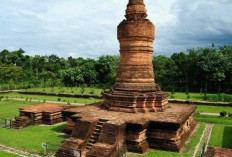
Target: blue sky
{"x": 82, "y": 28}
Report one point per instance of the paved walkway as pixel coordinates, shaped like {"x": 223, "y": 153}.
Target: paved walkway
{"x": 204, "y": 139}
{"x": 17, "y": 151}
{"x": 211, "y": 114}
{"x": 47, "y": 101}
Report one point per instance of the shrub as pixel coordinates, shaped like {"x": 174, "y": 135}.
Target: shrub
{"x": 82, "y": 90}
{"x": 92, "y": 91}
{"x": 223, "y": 113}
{"x": 1, "y": 97}
{"x": 229, "y": 114}
{"x": 58, "y": 99}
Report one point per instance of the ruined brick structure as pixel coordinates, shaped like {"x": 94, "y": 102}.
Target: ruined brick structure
{"x": 48, "y": 114}
{"x": 135, "y": 89}
{"x": 135, "y": 114}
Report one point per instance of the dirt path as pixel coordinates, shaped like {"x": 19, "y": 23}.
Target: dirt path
{"x": 204, "y": 139}
{"x": 16, "y": 151}
{"x": 55, "y": 102}
{"x": 211, "y": 114}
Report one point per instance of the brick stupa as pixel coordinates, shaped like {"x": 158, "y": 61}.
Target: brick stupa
{"x": 135, "y": 89}
{"x": 135, "y": 114}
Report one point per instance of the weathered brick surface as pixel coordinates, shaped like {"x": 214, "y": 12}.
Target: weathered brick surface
{"x": 135, "y": 89}
{"x": 218, "y": 152}
{"x": 48, "y": 114}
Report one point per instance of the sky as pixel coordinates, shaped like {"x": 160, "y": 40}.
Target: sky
{"x": 88, "y": 28}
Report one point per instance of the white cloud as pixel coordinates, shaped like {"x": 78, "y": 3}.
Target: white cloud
{"x": 89, "y": 28}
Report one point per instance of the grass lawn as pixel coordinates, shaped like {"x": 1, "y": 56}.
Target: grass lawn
{"x": 30, "y": 139}
{"x": 213, "y": 119}
{"x": 68, "y": 90}
{"x": 51, "y": 98}
{"x": 221, "y": 136}
{"x": 190, "y": 151}
{"x": 6, "y": 154}
{"x": 9, "y": 109}
{"x": 213, "y": 109}
{"x": 198, "y": 96}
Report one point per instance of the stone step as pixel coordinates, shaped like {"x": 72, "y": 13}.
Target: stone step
{"x": 92, "y": 141}
{"x": 89, "y": 144}
{"x": 97, "y": 130}
{"x": 99, "y": 126}
{"x": 88, "y": 147}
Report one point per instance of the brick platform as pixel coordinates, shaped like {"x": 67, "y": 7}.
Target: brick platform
{"x": 218, "y": 152}
{"x": 100, "y": 132}
{"x": 48, "y": 114}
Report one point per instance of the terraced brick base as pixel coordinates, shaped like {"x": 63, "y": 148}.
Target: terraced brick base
{"x": 99, "y": 132}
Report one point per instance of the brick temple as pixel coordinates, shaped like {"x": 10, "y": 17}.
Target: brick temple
{"x": 47, "y": 114}
{"x": 135, "y": 114}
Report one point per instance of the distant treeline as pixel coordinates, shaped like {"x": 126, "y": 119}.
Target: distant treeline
{"x": 198, "y": 70}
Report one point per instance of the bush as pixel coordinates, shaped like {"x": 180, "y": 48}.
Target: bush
{"x": 82, "y": 90}
{"x": 92, "y": 91}
{"x": 58, "y": 99}
{"x": 229, "y": 114}
{"x": 1, "y": 97}
{"x": 223, "y": 113}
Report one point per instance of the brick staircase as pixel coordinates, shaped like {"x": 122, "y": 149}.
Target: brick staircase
{"x": 62, "y": 152}
{"x": 21, "y": 122}
{"x": 95, "y": 135}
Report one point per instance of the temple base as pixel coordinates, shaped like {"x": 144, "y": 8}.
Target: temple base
{"x": 99, "y": 132}
{"x": 135, "y": 101}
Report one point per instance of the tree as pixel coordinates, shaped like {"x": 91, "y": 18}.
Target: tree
{"x": 165, "y": 70}
{"x": 72, "y": 76}
{"x": 107, "y": 69}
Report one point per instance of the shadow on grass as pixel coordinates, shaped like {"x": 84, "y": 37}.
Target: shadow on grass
{"x": 58, "y": 128}
{"x": 227, "y": 136}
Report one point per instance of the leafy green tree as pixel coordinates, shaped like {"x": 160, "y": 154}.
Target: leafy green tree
{"x": 72, "y": 76}
{"x": 165, "y": 70}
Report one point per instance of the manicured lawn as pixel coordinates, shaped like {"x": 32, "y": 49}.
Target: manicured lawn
{"x": 68, "y": 90}
{"x": 51, "y": 98}
{"x": 30, "y": 139}
{"x": 9, "y": 109}
{"x": 213, "y": 119}
{"x": 198, "y": 96}
{"x": 191, "y": 147}
{"x": 213, "y": 109}
{"x": 221, "y": 136}
{"x": 6, "y": 154}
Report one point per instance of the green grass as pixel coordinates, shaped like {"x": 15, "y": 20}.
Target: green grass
{"x": 213, "y": 109}
{"x": 9, "y": 109}
{"x": 68, "y": 90}
{"x": 221, "y": 136}
{"x": 52, "y": 98}
{"x": 198, "y": 96}
{"x": 6, "y": 154}
{"x": 190, "y": 151}
{"x": 30, "y": 139}
{"x": 213, "y": 119}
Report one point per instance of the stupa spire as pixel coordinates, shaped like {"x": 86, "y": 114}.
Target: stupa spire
{"x": 136, "y": 10}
